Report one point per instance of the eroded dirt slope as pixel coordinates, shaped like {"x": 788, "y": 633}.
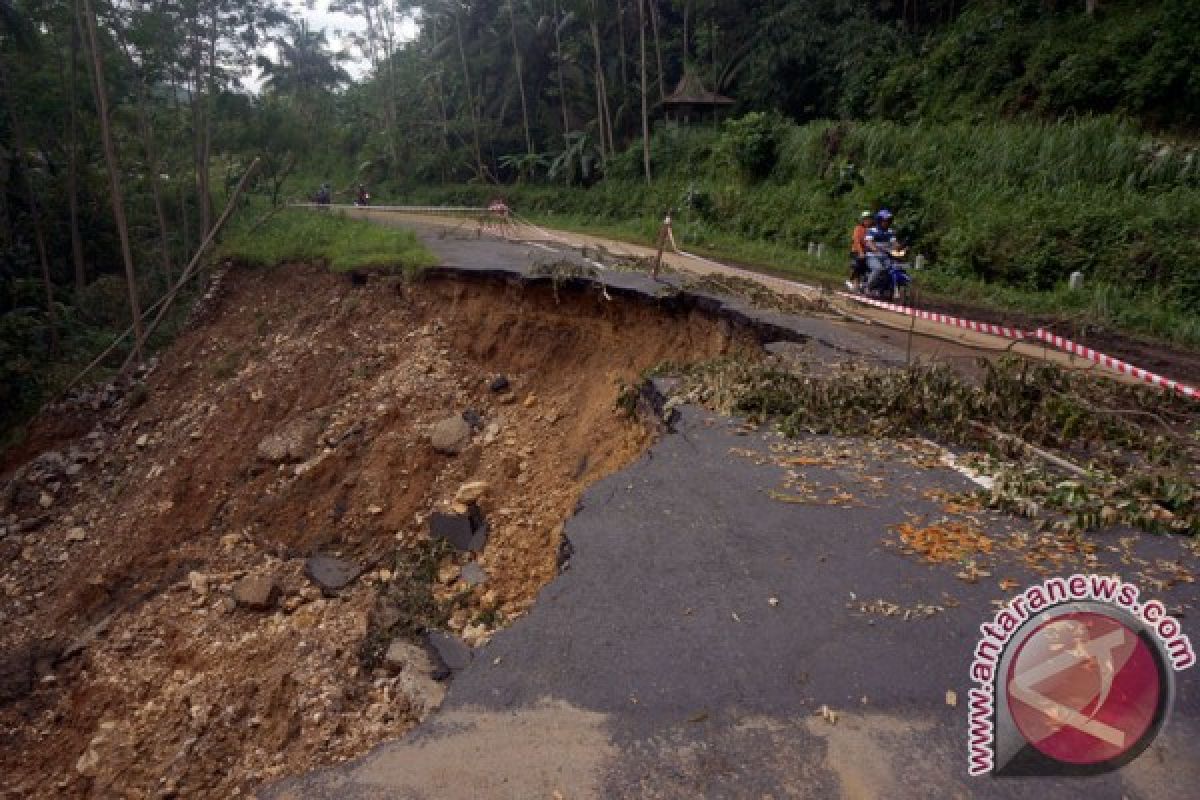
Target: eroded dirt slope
{"x": 292, "y": 419}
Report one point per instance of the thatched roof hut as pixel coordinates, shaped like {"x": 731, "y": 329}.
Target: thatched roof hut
{"x": 692, "y": 101}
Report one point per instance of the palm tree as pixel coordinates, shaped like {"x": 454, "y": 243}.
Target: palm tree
{"x": 306, "y": 68}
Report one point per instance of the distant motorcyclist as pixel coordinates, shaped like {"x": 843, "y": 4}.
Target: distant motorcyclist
{"x": 881, "y": 238}
{"x": 858, "y": 249}
{"x": 879, "y": 241}
{"x": 363, "y": 198}
{"x": 883, "y": 249}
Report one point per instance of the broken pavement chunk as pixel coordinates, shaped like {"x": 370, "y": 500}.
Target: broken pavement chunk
{"x": 453, "y": 651}
{"x": 466, "y": 531}
{"x": 331, "y": 574}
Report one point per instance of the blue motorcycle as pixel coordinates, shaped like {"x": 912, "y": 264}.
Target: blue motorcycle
{"x": 887, "y": 277}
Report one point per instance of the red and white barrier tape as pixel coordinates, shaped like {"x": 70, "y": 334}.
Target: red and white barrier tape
{"x": 944, "y": 319}
{"x": 1107, "y": 361}
{"x": 1117, "y": 365}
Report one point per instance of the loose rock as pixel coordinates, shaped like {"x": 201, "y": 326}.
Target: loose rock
{"x": 471, "y": 492}
{"x": 473, "y": 574}
{"x": 452, "y": 651}
{"x": 257, "y": 593}
{"x": 450, "y": 436}
{"x": 292, "y": 444}
{"x": 466, "y": 531}
{"x": 331, "y": 574}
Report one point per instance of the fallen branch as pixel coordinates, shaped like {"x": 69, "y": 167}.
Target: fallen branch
{"x": 1008, "y": 438}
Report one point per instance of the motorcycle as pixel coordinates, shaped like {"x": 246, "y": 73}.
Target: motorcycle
{"x": 887, "y": 277}
{"x": 364, "y": 199}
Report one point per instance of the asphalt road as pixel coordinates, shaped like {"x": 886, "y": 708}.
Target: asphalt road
{"x": 703, "y": 624}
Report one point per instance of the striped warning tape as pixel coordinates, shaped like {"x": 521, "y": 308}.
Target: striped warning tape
{"x": 945, "y": 319}
{"x": 1107, "y": 361}
{"x": 1062, "y": 343}
{"x": 398, "y": 209}
{"x": 1116, "y": 364}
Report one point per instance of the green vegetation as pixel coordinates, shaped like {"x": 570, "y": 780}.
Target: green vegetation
{"x": 1004, "y": 212}
{"x": 1138, "y": 448}
{"x": 293, "y": 236}
{"x": 1018, "y": 140}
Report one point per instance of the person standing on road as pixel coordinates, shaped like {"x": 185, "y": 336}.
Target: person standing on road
{"x": 858, "y": 249}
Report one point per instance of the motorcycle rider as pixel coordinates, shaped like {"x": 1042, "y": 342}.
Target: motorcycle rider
{"x": 880, "y": 239}
{"x": 858, "y": 250}
{"x": 363, "y": 197}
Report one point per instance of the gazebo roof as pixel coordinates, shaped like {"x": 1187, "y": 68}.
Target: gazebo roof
{"x": 691, "y": 92}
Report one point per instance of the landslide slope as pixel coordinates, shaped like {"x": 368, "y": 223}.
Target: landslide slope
{"x": 291, "y": 419}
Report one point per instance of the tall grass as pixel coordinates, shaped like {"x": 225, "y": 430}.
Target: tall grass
{"x": 344, "y": 244}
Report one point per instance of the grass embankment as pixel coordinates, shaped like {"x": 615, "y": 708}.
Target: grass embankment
{"x": 1003, "y": 211}
{"x": 344, "y": 244}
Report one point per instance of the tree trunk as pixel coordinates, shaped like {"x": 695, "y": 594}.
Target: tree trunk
{"x": 462, "y": 54}
{"x": 621, "y": 51}
{"x": 206, "y": 149}
{"x": 645, "y": 107}
{"x": 114, "y": 176}
{"x": 150, "y": 152}
{"x": 39, "y": 236}
{"x": 562, "y": 92}
{"x": 389, "y": 102}
{"x": 687, "y": 41}
{"x": 195, "y": 104}
{"x": 662, "y": 78}
{"x": 512, "y": 15}
{"x": 603, "y": 117}
{"x": 186, "y": 238}
{"x": 73, "y": 164}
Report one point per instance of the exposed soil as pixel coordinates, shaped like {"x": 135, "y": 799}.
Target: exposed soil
{"x": 126, "y": 667}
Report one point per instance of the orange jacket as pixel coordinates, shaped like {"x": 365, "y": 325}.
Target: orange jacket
{"x": 858, "y": 244}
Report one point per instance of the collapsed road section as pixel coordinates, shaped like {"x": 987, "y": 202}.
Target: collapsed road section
{"x": 225, "y": 573}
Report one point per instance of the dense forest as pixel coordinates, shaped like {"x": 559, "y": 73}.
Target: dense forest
{"x": 1018, "y": 141}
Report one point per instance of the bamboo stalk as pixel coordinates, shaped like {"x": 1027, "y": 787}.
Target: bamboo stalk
{"x": 163, "y": 302}
{"x": 194, "y": 263}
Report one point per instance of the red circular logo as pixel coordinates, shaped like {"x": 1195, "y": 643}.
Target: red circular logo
{"x": 1083, "y": 688}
